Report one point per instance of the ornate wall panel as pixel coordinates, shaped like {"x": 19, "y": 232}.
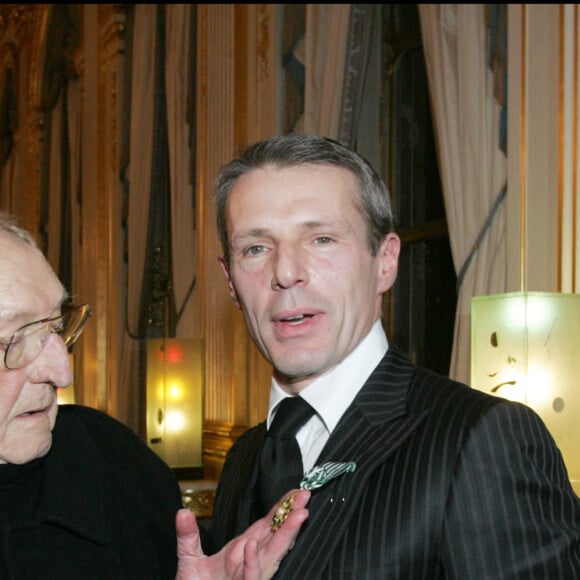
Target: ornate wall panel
{"x": 236, "y": 105}
{"x": 569, "y": 186}
{"x": 533, "y": 146}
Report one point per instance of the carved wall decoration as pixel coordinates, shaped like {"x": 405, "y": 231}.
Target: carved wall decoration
{"x": 58, "y": 68}
{"x": 8, "y": 100}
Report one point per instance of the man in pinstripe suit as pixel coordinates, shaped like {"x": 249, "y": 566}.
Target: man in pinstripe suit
{"x": 449, "y": 482}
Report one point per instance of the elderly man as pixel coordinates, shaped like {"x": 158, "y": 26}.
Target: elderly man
{"x": 80, "y": 495}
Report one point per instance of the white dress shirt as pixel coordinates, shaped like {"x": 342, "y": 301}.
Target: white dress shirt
{"x": 344, "y": 382}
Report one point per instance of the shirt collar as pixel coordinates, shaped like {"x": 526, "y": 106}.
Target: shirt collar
{"x": 344, "y": 381}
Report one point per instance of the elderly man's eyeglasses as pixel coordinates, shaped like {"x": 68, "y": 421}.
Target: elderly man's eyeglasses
{"x": 29, "y": 340}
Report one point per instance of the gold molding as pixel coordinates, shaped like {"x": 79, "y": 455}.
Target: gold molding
{"x": 37, "y": 53}
{"x": 199, "y": 501}
{"x": 16, "y": 18}
{"x": 573, "y": 154}
{"x": 523, "y": 150}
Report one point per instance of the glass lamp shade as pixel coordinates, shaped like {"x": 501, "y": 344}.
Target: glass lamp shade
{"x": 175, "y": 377}
{"x": 525, "y": 346}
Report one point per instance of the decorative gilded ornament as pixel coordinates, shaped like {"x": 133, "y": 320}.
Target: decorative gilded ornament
{"x": 314, "y": 478}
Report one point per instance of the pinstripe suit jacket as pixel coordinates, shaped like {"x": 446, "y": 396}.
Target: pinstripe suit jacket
{"x": 450, "y": 483}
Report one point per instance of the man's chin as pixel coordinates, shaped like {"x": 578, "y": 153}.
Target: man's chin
{"x": 298, "y": 374}
{"x": 21, "y": 454}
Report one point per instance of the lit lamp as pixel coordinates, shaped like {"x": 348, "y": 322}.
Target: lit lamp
{"x": 525, "y": 346}
{"x": 175, "y": 374}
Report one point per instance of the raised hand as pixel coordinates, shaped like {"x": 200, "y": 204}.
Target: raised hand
{"x": 254, "y": 555}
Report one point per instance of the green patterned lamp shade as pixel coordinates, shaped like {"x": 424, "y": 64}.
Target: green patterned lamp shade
{"x": 525, "y": 346}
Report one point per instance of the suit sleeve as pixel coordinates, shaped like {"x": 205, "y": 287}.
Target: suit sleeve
{"x": 511, "y": 512}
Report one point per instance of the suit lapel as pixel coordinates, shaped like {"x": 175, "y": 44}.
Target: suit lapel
{"x": 373, "y": 427}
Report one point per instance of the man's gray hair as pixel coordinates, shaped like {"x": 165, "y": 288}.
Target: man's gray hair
{"x": 8, "y": 224}
{"x": 295, "y": 149}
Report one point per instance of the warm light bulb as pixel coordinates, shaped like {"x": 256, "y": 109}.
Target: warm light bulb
{"x": 175, "y": 390}
{"x": 175, "y": 421}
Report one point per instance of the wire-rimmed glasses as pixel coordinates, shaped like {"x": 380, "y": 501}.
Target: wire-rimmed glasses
{"x": 29, "y": 340}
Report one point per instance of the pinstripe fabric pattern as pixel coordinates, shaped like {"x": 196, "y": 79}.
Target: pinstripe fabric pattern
{"x": 450, "y": 483}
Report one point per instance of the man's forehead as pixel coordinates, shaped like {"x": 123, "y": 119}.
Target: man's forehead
{"x": 28, "y": 286}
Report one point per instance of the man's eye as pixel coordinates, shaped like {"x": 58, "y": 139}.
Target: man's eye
{"x": 323, "y": 240}
{"x": 254, "y": 250}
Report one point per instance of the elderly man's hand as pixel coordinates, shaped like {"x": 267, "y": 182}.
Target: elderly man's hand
{"x": 254, "y": 555}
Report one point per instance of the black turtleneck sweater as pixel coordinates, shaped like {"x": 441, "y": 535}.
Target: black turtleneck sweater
{"x": 19, "y": 490}
{"x": 99, "y": 505}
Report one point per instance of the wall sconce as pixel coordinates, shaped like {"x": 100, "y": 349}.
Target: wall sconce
{"x": 525, "y": 346}
{"x": 175, "y": 378}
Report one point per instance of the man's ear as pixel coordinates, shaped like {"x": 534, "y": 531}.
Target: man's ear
{"x": 389, "y": 261}
{"x": 226, "y": 271}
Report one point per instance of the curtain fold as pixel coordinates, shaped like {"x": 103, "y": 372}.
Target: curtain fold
{"x": 177, "y": 81}
{"x": 7, "y": 180}
{"x": 473, "y": 168}
{"x": 8, "y": 130}
{"x": 324, "y": 56}
{"x": 74, "y": 124}
{"x": 74, "y": 137}
{"x": 363, "y": 17}
{"x": 139, "y": 178}
{"x": 159, "y": 178}
{"x": 54, "y": 194}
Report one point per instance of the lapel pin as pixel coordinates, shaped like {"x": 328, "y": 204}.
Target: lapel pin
{"x": 314, "y": 478}
{"x": 320, "y": 475}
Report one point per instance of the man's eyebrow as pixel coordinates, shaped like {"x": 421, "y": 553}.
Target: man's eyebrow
{"x": 8, "y": 316}
{"x": 250, "y": 234}
{"x": 307, "y": 225}
{"x": 314, "y": 224}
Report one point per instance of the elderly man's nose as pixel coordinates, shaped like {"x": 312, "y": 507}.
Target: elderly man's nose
{"x": 53, "y": 362}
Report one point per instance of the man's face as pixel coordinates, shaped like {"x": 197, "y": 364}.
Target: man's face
{"x": 29, "y": 291}
{"x": 301, "y": 268}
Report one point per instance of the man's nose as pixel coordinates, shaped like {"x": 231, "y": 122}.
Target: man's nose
{"x": 53, "y": 363}
{"x": 289, "y": 267}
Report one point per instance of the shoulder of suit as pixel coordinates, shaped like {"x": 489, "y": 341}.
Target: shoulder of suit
{"x": 251, "y": 435}
{"x": 428, "y": 388}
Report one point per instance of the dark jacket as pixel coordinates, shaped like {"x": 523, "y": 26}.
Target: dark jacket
{"x": 106, "y": 508}
{"x": 449, "y": 483}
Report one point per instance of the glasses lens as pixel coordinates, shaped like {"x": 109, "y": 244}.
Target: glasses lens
{"x": 28, "y": 341}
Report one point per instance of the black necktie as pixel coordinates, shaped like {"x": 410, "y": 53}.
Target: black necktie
{"x": 281, "y": 466}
